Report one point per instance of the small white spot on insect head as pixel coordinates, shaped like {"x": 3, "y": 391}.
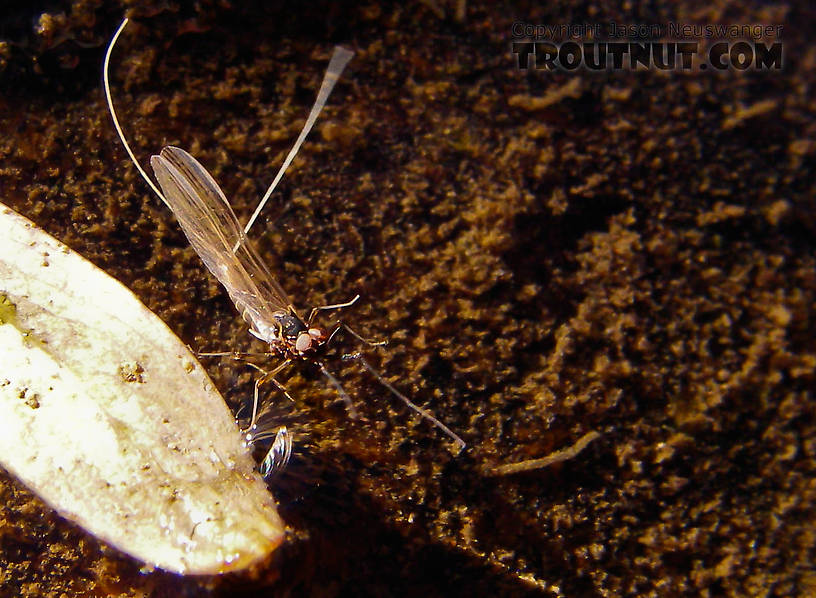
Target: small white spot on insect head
{"x": 316, "y": 333}
{"x": 303, "y": 342}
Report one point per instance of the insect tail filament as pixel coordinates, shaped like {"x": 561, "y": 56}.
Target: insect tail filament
{"x": 116, "y": 125}
{"x": 338, "y": 62}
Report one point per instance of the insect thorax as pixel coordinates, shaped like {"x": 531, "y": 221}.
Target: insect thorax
{"x": 289, "y": 325}
{"x": 289, "y": 334}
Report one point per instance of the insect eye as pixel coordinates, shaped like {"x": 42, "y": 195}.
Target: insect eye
{"x": 303, "y": 342}
{"x": 317, "y": 333}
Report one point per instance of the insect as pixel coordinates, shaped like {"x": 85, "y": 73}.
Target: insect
{"x": 213, "y": 230}
{"x": 95, "y": 417}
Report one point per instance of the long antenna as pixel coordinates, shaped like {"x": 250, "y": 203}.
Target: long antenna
{"x": 106, "y": 78}
{"x": 338, "y": 62}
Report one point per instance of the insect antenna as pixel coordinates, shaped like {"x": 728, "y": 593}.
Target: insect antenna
{"x": 422, "y": 412}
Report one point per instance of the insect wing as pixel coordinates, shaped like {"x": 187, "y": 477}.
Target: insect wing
{"x": 214, "y": 232}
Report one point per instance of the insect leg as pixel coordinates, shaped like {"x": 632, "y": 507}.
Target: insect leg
{"x": 423, "y": 412}
{"x": 340, "y": 390}
{"x": 328, "y": 307}
{"x": 343, "y": 326}
{"x": 270, "y": 376}
{"x": 237, "y": 355}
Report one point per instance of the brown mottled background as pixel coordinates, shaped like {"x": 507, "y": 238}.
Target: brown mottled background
{"x": 548, "y": 253}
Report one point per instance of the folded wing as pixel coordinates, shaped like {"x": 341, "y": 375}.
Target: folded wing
{"x": 214, "y": 232}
